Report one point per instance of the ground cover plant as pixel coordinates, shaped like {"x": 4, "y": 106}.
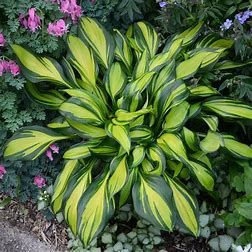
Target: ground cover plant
{"x": 134, "y": 111}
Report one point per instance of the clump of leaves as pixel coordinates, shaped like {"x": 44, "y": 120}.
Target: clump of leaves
{"x": 239, "y": 87}
{"x": 115, "y": 13}
{"x": 181, "y": 14}
{"x": 142, "y": 127}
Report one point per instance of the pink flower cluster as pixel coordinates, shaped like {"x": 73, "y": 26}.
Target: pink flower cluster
{"x": 70, "y": 8}
{"x": 2, "y": 40}
{"x": 39, "y": 181}
{"x": 58, "y": 28}
{"x": 2, "y": 171}
{"x": 9, "y": 66}
{"x": 53, "y": 148}
{"x": 31, "y": 21}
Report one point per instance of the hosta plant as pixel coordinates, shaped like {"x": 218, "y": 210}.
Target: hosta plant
{"x": 140, "y": 128}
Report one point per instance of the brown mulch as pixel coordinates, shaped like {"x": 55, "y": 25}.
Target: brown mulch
{"x": 177, "y": 242}
{"x": 28, "y": 218}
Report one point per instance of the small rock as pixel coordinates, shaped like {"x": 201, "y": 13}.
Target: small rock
{"x": 150, "y": 247}
{"x": 141, "y": 237}
{"x": 134, "y": 241}
{"x": 138, "y": 249}
{"x": 151, "y": 235}
{"x": 70, "y": 244}
{"x": 205, "y": 232}
{"x": 122, "y": 238}
{"x": 59, "y": 217}
{"x": 203, "y": 208}
{"x": 79, "y": 243}
{"x": 128, "y": 246}
{"x": 93, "y": 242}
{"x": 221, "y": 243}
{"x": 219, "y": 223}
{"x": 146, "y": 241}
{"x": 95, "y": 250}
{"x": 237, "y": 248}
{"x": 107, "y": 238}
{"x": 211, "y": 217}
{"x": 214, "y": 244}
{"x": 154, "y": 230}
{"x": 132, "y": 234}
{"x": 157, "y": 240}
{"x": 113, "y": 228}
{"x": 75, "y": 243}
{"x": 248, "y": 248}
{"x": 118, "y": 246}
{"x": 226, "y": 242}
{"x": 203, "y": 220}
{"x": 109, "y": 249}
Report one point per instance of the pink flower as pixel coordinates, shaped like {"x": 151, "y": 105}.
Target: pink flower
{"x": 58, "y": 28}
{"x": 3, "y": 66}
{"x": 49, "y": 154}
{"x": 2, "y": 40}
{"x": 23, "y": 21}
{"x": 2, "y": 171}
{"x": 32, "y": 21}
{"x": 54, "y": 148}
{"x": 14, "y": 68}
{"x": 1, "y": 69}
{"x": 6, "y": 65}
{"x": 65, "y": 6}
{"x": 9, "y": 66}
{"x": 39, "y": 181}
{"x": 71, "y": 8}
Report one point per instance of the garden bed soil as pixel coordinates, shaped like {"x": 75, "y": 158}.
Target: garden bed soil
{"x": 23, "y": 221}
{"x": 28, "y": 220}
{"x": 12, "y": 239}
